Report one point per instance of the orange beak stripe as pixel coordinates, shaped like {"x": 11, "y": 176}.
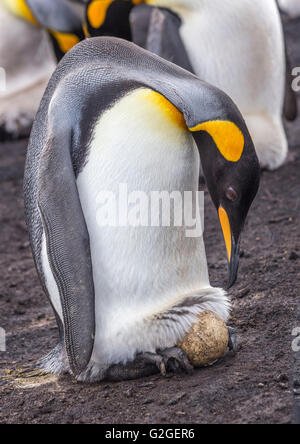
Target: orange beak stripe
{"x": 225, "y": 224}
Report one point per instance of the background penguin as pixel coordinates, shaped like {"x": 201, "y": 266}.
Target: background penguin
{"x": 109, "y": 18}
{"x": 29, "y": 61}
{"x": 62, "y": 20}
{"x": 236, "y": 46}
{"x": 114, "y": 113}
{"x": 290, "y": 7}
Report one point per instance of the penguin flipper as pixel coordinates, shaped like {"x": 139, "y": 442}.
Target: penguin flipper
{"x": 68, "y": 247}
{"x": 164, "y": 38}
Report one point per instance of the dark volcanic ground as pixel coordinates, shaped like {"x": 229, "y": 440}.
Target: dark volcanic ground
{"x": 252, "y": 387}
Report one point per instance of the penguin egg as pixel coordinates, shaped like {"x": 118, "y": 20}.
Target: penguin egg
{"x": 207, "y": 340}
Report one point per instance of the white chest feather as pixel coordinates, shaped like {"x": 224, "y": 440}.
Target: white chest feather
{"x": 139, "y": 272}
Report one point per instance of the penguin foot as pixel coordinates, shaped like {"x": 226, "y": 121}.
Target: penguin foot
{"x": 233, "y": 342}
{"x": 171, "y": 360}
{"x": 176, "y": 360}
{"x": 145, "y": 364}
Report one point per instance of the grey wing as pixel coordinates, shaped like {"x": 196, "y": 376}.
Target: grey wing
{"x": 68, "y": 247}
{"x": 164, "y": 40}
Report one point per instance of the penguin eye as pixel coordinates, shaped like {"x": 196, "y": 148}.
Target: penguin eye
{"x": 231, "y": 194}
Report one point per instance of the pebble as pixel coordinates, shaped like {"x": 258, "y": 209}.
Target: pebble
{"x": 148, "y": 401}
{"x": 282, "y": 378}
{"x": 293, "y": 256}
{"x": 242, "y": 293}
{"x": 129, "y": 393}
{"x": 176, "y": 400}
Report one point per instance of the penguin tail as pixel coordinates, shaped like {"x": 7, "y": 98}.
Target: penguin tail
{"x": 54, "y": 362}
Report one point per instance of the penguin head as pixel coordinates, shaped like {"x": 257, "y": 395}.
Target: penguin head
{"x": 232, "y": 172}
{"x": 109, "y": 17}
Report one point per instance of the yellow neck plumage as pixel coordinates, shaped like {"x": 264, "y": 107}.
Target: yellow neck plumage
{"x": 228, "y": 138}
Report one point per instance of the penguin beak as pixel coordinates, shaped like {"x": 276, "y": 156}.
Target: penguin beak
{"x": 233, "y": 263}
{"x": 232, "y": 246}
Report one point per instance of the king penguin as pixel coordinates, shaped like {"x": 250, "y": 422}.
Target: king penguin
{"x": 238, "y": 46}
{"x": 125, "y": 295}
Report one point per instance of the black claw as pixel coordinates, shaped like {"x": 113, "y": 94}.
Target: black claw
{"x": 173, "y": 365}
{"x": 176, "y": 360}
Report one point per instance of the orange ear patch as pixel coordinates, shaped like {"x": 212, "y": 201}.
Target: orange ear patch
{"x": 97, "y": 11}
{"x": 65, "y": 41}
{"x": 226, "y": 230}
{"x": 226, "y": 135}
